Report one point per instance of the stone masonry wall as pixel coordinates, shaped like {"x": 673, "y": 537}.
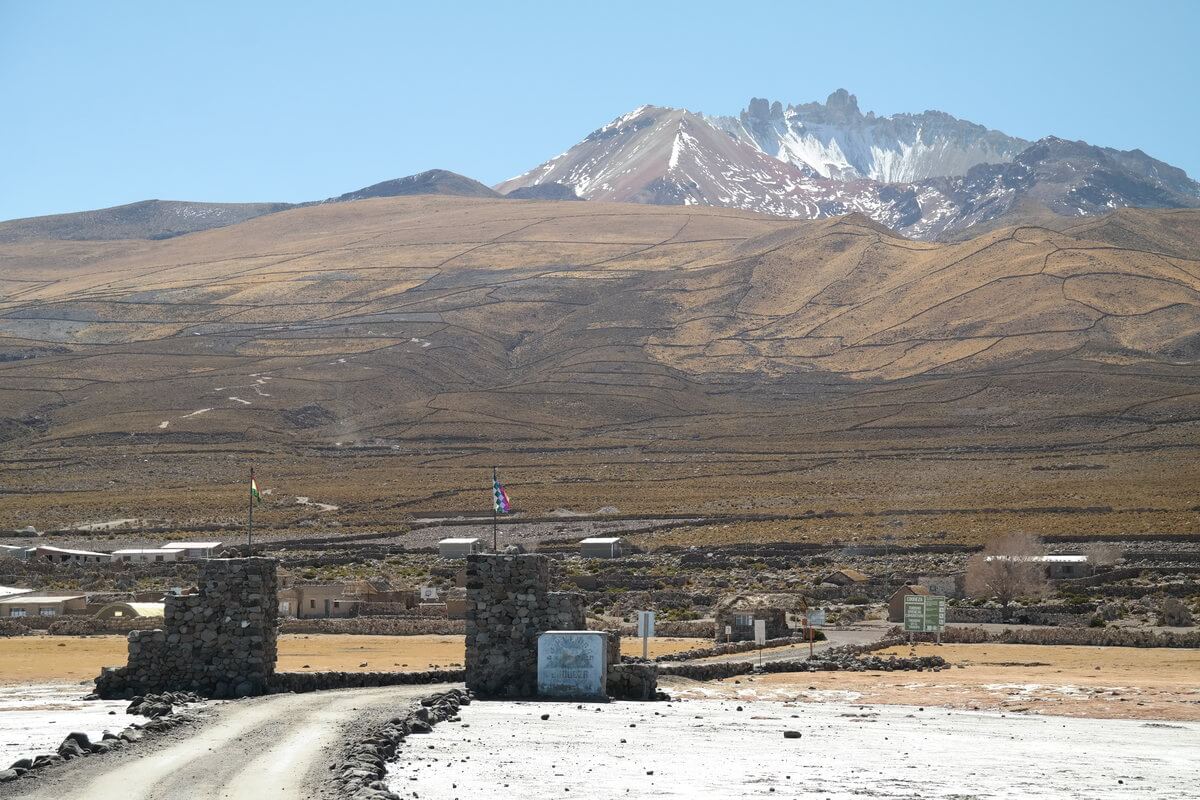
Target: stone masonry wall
{"x": 218, "y": 641}
{"x": 508, "y": 605}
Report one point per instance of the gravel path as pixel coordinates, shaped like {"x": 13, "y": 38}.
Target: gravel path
{"x": 836, "y": 638}
{"x": 278, "y": 746}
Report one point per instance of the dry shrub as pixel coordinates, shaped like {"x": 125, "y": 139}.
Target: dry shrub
{"x": 12, "y": 627}
{"x": 1008, "y": 568}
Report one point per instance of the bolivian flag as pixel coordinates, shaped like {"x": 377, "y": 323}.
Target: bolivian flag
{"x": 499, "y": 496}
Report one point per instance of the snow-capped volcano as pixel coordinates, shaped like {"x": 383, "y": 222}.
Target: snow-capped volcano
{"x": 927, "y": 175}
{"x": 839, "y": 141}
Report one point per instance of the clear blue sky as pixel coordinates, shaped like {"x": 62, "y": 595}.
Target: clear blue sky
{"x": 110, "y": 102}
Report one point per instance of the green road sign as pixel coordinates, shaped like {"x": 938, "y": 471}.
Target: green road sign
{"x": 924, "y": 613}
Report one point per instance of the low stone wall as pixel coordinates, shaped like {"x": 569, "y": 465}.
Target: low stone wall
{"x": 1090, "y": 637}
{"x": 377, "y": 626}
{"x": 823, "y": 663}
{"x": 729, "y": 648}
{"x": 687, "y": 629}
{"x": 995, "y": 616}
{"x": 300, "y": 682}
{"x": 633, "y": 681}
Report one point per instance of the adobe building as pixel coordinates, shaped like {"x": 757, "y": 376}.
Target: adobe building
{"x": 63, "y": 555}
{"x": 896, "y": 603}
{"x": 735, "y": 617}
{"x": 602, "y": 547}
{"x": 40, "y": 605}
{"x": 316, "y": 601}
{"x": 459, "y": 548}
{"x": 846, "y": 577}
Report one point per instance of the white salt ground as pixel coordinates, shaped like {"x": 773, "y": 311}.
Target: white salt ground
{"x": 35, "y": 719}
{"x": 709, "y": 749}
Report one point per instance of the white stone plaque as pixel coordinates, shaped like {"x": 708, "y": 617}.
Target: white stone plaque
{"x": 573, "y": 665}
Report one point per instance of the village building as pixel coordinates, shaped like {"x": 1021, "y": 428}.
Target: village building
{"x": 317, "y": 601}
{"x": 145, "y": 556}
{"x": 945, "y": 585}
{"x": 1057, "y": 565}
{"x": 194, "y": 550}
{"x": 31, "y": 605}
{"x": 15, "y": 551}
{"x": 896, "y": 603}
{"x": 13, "y": 591}
{"x": 1067, "y": 566}
{"x": 459, "y": 548}
{"x": 62, "y": 555}
{"x": 846, "y": 577}
{"x": 131, "y": 610}
{"x": 735, "y": 616}
{"x": 602, "y": 547}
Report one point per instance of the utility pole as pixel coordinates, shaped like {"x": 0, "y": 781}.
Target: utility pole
{"x": 250, "y": 518}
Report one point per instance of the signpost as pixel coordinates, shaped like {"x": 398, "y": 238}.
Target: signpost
{"x": 645, "y": 629}
{"x": 760, "y": 637}
{"x": 924, "y": 613}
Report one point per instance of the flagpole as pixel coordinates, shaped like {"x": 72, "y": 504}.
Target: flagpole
{"x": 250, "y": 523}
{"x": 495, "y": 546}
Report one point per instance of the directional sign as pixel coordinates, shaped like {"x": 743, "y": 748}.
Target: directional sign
{"x": 645, "y": 624}
{"x": 760, "y": 631}
{"x": 924, "y": 613}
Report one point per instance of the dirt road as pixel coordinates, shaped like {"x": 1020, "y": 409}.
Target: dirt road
{"x": 835, "y": 638}
{"x": 279, "y": 746}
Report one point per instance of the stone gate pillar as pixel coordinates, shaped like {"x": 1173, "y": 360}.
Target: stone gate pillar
{"x": 508, "y": 605}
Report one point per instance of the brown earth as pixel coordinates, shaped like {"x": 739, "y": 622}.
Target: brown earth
{"x": 56, "y": 659}
{"x": 382, "y": 355}
{"x": 1099, "y": 682}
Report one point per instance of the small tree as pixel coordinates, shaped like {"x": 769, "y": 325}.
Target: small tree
{"x": 1009, "y": 567}
{"x": 1102, "y": 554}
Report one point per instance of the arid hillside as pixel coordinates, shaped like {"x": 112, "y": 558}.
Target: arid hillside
{"x": 604, "y": 339}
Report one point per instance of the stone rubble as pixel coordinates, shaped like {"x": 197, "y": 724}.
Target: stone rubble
{"x": 360, "y": 774}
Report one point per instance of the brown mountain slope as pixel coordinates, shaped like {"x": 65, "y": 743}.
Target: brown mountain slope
{"x": 424, "y": 318}
{"x": 383, "y": 354}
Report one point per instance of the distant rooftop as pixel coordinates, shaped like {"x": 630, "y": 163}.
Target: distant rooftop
{"x": 601, "y": 540}
{"x": 139, "y": 550}
{"x": 68, "y": 551}
{"x": 40, "y": 598}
